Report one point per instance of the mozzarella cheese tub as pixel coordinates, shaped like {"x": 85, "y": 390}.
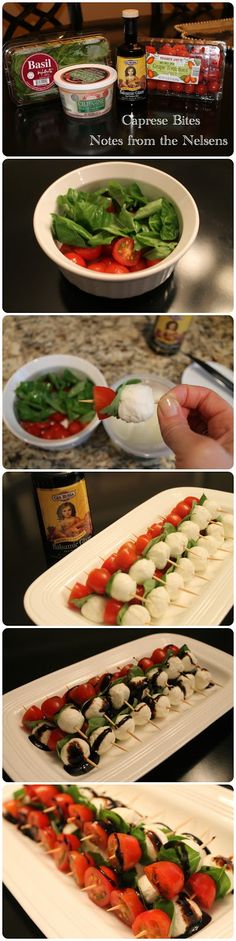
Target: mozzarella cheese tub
{"x": 86, "y": 91}
{"x": 143, "y": 439}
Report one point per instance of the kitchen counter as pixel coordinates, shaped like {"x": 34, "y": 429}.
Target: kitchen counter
{"x": 117, "y": 345}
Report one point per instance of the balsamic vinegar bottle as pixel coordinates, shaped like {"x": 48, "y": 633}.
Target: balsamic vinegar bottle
{"x": 63, "y": 512}
{"x": 131, "y": 62}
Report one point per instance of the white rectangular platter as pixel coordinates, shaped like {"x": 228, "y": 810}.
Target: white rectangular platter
{"x": 24, "y": 760}
{"x": 61, "y": 910}
{"x": 46, "y": 599}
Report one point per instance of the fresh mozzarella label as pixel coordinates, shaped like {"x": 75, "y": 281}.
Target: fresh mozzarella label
{"x": 173, "y": 68}
{"x": 38, "y": 71}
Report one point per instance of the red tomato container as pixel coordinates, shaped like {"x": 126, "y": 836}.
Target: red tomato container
{"x": 186, "y": 68}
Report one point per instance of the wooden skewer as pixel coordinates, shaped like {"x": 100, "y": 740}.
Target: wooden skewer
{"x": 162, "y": 582}
{"x": 126, "y": 703}
{"x": 114, "y": 908}
{"x": 26, "y": 826}
{"x": 87, "y": 887}
{"x": 182, "y": 824}
{"x": 92, "y": 763}
{"x": 141, "y": 934}
{"x": 135, "y": 736}
{"x": 69, "y": 873}
{"x": 50, "y": 852}
{"x": 48, "y": 809}
{"x": 121, "y": 747}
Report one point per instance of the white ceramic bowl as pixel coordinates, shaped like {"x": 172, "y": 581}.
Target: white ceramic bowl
{"x": 145, "y": 440}
{"x": 154, "y": 183}
{"x": 39, "y": 367}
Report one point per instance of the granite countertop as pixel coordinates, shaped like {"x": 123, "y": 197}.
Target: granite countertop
{"x": 117, "y": 345}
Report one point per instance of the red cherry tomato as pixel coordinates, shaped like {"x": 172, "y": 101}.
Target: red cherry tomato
{"x": 107, "y": 249}
{"x": 145, "y": 663}
{"x": 191, "y": 500}
{"x": 111, "y": 612}
{"x": 107, "y": 266}
{"x": 54, "y": 738}
{"x": 98, "y": 886}
{"x": 37, "y": 820}
{"x": 52, "y": 705}
{"x": 61, "y": 858}
{"x": 177, "y": 88}
{"x": 74, "y": 428}
{"x": 204, "y": 889}
{"x": 55, "y": 432}
{"x": 141, "y": 543}
{"x": 172, "y": 647}
{"x": 102, "y": 398}
{"x": 158, "y": 655}
{"x": 63, "y": 801}
{"x": 213, "y": 87}
{"x": 155, "y": 923}
{"x": 33, "y": 714}
{"x": 179, "y": 50}
{"x": 140, "y": 265}
{"x": 78, "y": 591}
{"x": 79, "y": 863}
{"x": 167, "y": 878}
{"x": 97, "y": 580}
{"x": 182, "y": 509}
{"x": 76, "y": 258}
{"x": 125, "y": 253}
{"x": 129, "y": 905}
{"x": 48, "y": 838}
{"x": 46, "y": 793}
{"x": 90, "y": 254}
{"x": 155, "y": 530}
{"x": 150, "y": 263}
{"x": 126, "y": 558}
{"x": 96, "y": 833}
{"x": 166, "y": 49}
{"x": 111, "y": 563}
{"x": 123, "y": 846}
{"x": 174, "y": 519}
{"x": 80, "y": 813}
{"x": 189, "y": 89}
{"x": 80, "y": 694}
{"x": 13, "y": 808}
{"x": 70, "y": 841}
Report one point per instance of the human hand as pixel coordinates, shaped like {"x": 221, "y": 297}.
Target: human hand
{"x": 197, "y": 424}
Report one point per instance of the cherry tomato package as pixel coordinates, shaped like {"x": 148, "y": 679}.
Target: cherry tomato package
{"x": 186, "y": 68}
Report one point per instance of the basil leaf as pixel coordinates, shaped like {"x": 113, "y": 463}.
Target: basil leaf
{"x": 164, "y": 906}
{"x": 202, "y": 499}
{"x": 20, "y": 794}
{"x": 121, "y": 613}
{"x": 96, "y": 722}
{"x": 173, "y": 853}
{"x": 140, "y": 835}
{"x": 120, "y": 826}
{"x": 78, "y": 602}
{"x": 220, "y": 878}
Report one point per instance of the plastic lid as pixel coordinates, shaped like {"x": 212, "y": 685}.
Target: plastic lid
{"x": 130, "y": 13}
{"x": 104, "y": 76}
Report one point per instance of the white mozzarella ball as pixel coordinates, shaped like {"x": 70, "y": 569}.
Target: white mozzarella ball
{"x": 173, "y": 668}
{"x": 124, "y": 725}
{"x": 142, "y": 714}
{"x": 191, "y": 680}
{"x": 101, "y": 744}
{"x": 202, "y": 679}
{"x": 190, "y": 529}
{"x": 141, "y": 570}
{"x": 190, "y": 841}
{"x": 186, "y": 685}
{"x": 93, "y": 609}
{"x": 44, "y": 736}
{"x": 157, "y": 602}
{"x": 70, "y": 719}
{"x": 96, "y": 707}
{"x": 147, "y": 889}
{"x": 217, "y": 531}
{"x": 200, "y": 516}
{"x": 222, "y": 862}
{"x": 176, "y": 696}
{"x": 162, "y": 707}
{"x": 136, "y": 614}
{"x": 70, "y": 828}
{"x": 152, "y": 673}
{"x": 182, "y": 921}
{"x": 189, "y": 663}
{"x": 136, "y": 402}
{"x": 162, "y": 679}
{"x": 99, "y": 803}
{"x": 208, "y": 543}
{"x": 159, "y": 552}
{"x": 212, "y": 508}
{"x": 186, "y": 569}
{"x": 74, "y": 744}
{"x": 199, "y": 557}
{"x": 118, "y": 694}
{"x": 228, "y": 525}
{"x": 123, "y": 587}
{"x": 177, "y": 543}
{"x": 173, "y": 584}
{"x": 129, "y": 815}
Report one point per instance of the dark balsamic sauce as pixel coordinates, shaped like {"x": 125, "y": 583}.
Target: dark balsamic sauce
{"x": 118, "y": 853}
{"x": 122, "y": 721}
{"x": 107, "y": 679}
{"x": 35, "y": 737}
{"x": 195, "y": 925}
{"x": 100, "y": 738}
{"x": 182, "y": 856}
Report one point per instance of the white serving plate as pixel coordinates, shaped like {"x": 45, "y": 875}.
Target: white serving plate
{"x": 66, "y": 913}
{"x": 46, "y": 598}
{"x": 157, "y": 744}
{"x": 194, "y": 375}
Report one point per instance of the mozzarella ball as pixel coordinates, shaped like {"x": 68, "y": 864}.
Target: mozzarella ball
{"x": 136, "y": 402}
{"x": 93, "y": 609}
{"x": 70, "y": 828}
{"x": 162, "y": 707}
{"x": 173, "y": 668}
{"x": 176, "y": 696}
{"x": 124, "y": 724}
{"x": 70, "y": 748}
{"x": 202, "y": 679}
{"x": 189, "y": 663}
{"x": 118, "y": 694}
{"x": 102, "y": 739}
{"x": 208, "y": 543}
{"x": 123, "y": 588}
{"x": 183, "y": 920}
{"x": 212, "y": 508}
{"x": 159, "y": 553}
{"x": 148, "y": 893}
{"x": 95, "y": 708}
{"x": 228, "y": 525}
{"x": 173, "y": 584}
{"x": 157, "y": 602}
{"x": 141, "y": 570}
{"x": 187, "y": 686}
{"x": 192, "y": 842}
{"x": 142, "y": 714}
{"x": 217, "y": 531}
{"x": 136, "y": 614}
{"x": 128, "y": 815}
{"x": 42, "y": 732}
{"x": 199, "y": 557}
{"x": 152, "y": 673}
{"x": 219, "y": 862}
{"x": 186, "y": 569}
{"x": 200, "y": 516}
{"x": 190, "y": 529}
{"x": 70, "y": 719}
{"x": 162, "y": 679}
{"x": 177, "y": 543}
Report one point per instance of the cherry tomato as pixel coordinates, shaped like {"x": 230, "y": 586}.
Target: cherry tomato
{"x": 81, "y": 693}
{"x": 110, "y": 874}
{"x": 48, "y": 838}
{"x": 140, "y": 265}
{"x": 141, "y": 543}
{"x": 150, "y": 263}
{"x": 52, "y": 705}
{"x": 74, "y": 427}
{"x": 179, "y": 50}
{"x": 123, "y": 847}
{"x": 107, "y": 266}
{"x": 97, "y": 834}
{"x": 63, "y": 801}
{"x": 158, "y": 655}
{"x": 191, "y": 500}
{"x": 162, "y": 86}
{"x": 78, "y": 591}
{"x": 33, "y": 714}
{"x": 37, "y": 820}
{"x": 213, "y": 87}
{"x": 123, "y": 671}
{"x": 140, "y": 593}
{"x": 54, "y": 738}
{"x": 80, "y": 813}
{"x": 177, "y": 87}
{"x": 174, "y": 519}
{"x": 90, "y": 254}
{"x": 150, "y": 48}
{"x": 130, "y": 544}
{"x": 54, "y": 432}
{"x": 12, "y": 808}
{"x": 97, "y": 580}
{"x": 155, "y": 530}
{"x": 204, "y": 889}
{"x": 78, "y": 863}
{"x": 125, "y": 253}
{"x": 102, "y": 398}
{"x": 126, "y": 558}
{"x": 101, "y": 887}
{"x": 57, "y": 416}
{"x": 46, "y": 793}
{"x": 61, "y": 858}
{"x": 76, "y": 258}
{"x": 107, "y": 249}
{"x": 111, "y": 612}
{"x": 155, "y": 923}
{"x": 111, "y": 563}
{"x": 166, "y": 49}
{"x": 145, "y": 664}
{"x": 167, "y": 878}
{"x": 172, "y": 647}
{"x": 70, "y": 841}
{"x": 129, "y": 905}
{"x": 182, "y": 509}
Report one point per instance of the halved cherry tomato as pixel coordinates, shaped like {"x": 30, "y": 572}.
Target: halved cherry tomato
{"x": 123, "y": 850}
{"x": 174, "y": 519}
{"x": 102, "y": 398}
{"x": 145, "y": 663}
{"x": 141, "y": 543}
{"x": 140, "y": 265}
{"x": 125, "y": 558}
{"x": 191, "y": 500}
{"x": 13, "y": 808}
{"x": 97, "y": 580}
{"x": 107, "y": 249}
{"x": 76, "y": 258}
{"x": 167, "y": 878}
{"x": 204, "y": 889}
{"x": 81, "y": 693}
{"x": 158, "y": 655}
{"x": 111, "y": 563}
{"x": 90, "y": 254}
{"x": 155, "y": 530}
{"x": 48, "y": 838}
{"x": 123, "y": 672}
{"x": 129, "y": 905}
{"x": 101, "y": 887}
{"x": 125, "y": 253}
{"x": 109, "y": 874}
{"x": 156, "y": 261}
{"x": 52, "y": 705}
{"x": 33, "y": 714}
{"x": 74, "y": 427}
{"x": 78, "y": 591}
{"x": 54, "y": 738}
{"x": 79, "y": 863}
{"x": 61, "y": 858}
{"x": 172, "y": 647}
{"x": 182, "y": 509}
{"x": 46, "y": 793}
{"x": 38, "y": 821}
{"x": 70, "y": 841}
{"x": 62, "y": 802}
{"x": 111, "y": 612}
{"x": 80, "y": 813}
{"x": 107, "y": 266}
{"x": 54, "y": 432}
{"x": 156, "y": 924}
{"x": 97, "y": 834}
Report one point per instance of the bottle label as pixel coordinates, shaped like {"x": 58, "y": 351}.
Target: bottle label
{"x": 131, "y": 76}
{"x": 38, "y": 71}
{"x": 66, "y": 515}
{"x": 173, "y": 68}
{"x": 169, "y": 332}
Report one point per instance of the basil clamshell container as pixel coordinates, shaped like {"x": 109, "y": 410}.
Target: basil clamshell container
{"x": 30, "y": 66}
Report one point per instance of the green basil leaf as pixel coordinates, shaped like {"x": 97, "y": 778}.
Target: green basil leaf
{"x": 220, "y": 878}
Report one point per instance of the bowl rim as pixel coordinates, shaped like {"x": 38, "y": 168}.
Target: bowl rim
{"x": 69, "y": 266}
{"x": 34, "y": 440}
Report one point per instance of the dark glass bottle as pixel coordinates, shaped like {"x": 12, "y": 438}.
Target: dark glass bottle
{"x": 63, "y": 512}
{"x": 168, "y": 332}
{"x": 131, "y": 62}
